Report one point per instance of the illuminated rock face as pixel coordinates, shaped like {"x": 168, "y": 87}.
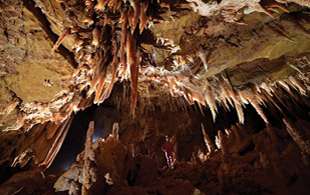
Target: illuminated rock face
{"x": 228, "y": 80}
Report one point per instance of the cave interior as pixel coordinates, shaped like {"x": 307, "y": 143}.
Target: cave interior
{"x": 90, "y": 88}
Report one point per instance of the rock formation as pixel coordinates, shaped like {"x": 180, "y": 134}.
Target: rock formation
{"x": 227, "y": 80}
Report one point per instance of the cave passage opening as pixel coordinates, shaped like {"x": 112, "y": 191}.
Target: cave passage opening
{"x": 147, "y": 130}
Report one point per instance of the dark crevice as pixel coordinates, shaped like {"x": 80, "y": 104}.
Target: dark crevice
{"x": 45, "y": 25}
{"x": 248, "y": 149}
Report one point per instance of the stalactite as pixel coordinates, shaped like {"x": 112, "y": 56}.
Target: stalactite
{"x": 225, "y": 94}
{"x": 278, "y": 94}
{"x": 236, "y": 101}
{"x": 285, "y": 86}
{"x": 89, "y": 21}
{"x": 257, "y": 7}
{"x": 295, "y": 99}
{"x": 115, "y": 65}
{"x": 101, "y": 3}
{"x": 277, "y": 33}
{"x": 242, "y": 97}
{"x": 96, "y": 37}
{"x": 89, "y": 4}
{"x": 12, "y": 105}
{"x": 248, "y": 94}
{"x": 130, "y": 14}
{"x": 134, "y": 74}
{"x": 210, "y": 101}
{"x": 267, "y": 88}
{"x": 136, "y": 8}
{"x": 86, "y": 102}
{"x": 117, "y": 6}
{"x": 188, "y": 95}
{"x": 144, "y": 6}
{"x": 107, "y": 18}
{"x": 203, "y": 56}
{"x": 104, "y": 92}
{"x": 288, "y": 22}
{"x": 63, "y": 130}
{"x": 102, "y": 80}
{"x": 270, "y": 99}
{"x": 123, "y": 42}
{"x": 297, "y": 84}
{"x": 61, "y": 38}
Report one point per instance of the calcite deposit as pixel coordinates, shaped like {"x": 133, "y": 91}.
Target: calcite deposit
{"x": 90, "y": 88}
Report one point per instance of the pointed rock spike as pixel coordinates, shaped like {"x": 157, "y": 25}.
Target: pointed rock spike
{"x": 133, "y": 64}
{"x": 207, "y": 140}
{"x": 61, "y": 38}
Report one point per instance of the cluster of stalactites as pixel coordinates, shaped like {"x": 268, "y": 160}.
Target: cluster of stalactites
{"x": 109, "y": 52}
{"x": 106, "y": 51}
{"x": 222, "y": 93}
{"x": 218, "y": 91}
{"x": 33, "y": 113}
{"x": 230, "y": 10}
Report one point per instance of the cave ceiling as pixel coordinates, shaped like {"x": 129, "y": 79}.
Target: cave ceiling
{"x": 60, "y": 57}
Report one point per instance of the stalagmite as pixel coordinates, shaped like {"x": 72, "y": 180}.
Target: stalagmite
{"x": 116, "y": 131}
{"x": 236, "y": 133}
{"x": 274, "y": 138}
{"x": 207, "y": 140}
{"x": 298, "y": 134}
{"x": 87, "y": 158}
{"x": 223, "y": 145}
